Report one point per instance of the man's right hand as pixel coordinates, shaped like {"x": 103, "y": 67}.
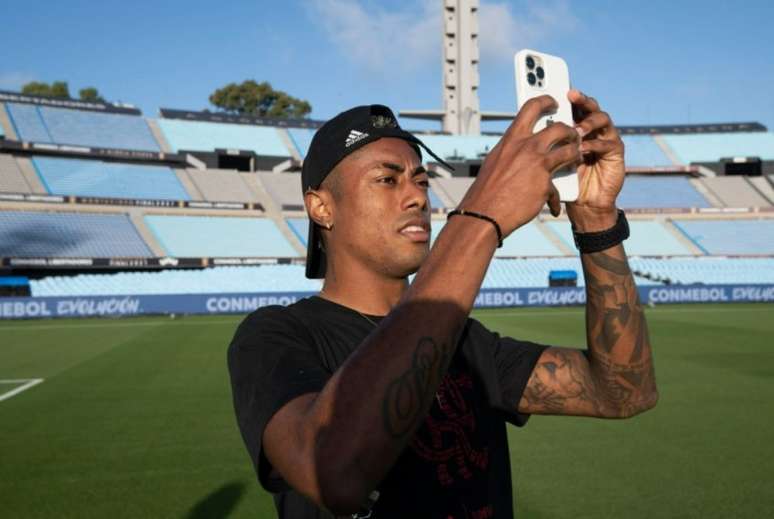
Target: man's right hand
{"x": 515, "y": 180}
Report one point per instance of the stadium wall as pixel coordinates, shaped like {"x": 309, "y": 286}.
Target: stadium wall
{"x": 214, "y": 304}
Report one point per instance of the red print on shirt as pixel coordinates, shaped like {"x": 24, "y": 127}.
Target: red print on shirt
{"x": 445, "y": 439}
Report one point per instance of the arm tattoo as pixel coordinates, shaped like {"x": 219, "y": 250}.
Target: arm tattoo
{"x": 559, "y": 384}
{"x": 617, "y": 334}
{"x": 407, "y": 396}
{"x": 614, "y": 377}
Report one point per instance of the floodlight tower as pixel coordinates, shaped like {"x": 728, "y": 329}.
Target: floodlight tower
{"x": 459, "y": 60}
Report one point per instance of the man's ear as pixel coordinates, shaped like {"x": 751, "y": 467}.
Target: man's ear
{"x": 319, "y": 206}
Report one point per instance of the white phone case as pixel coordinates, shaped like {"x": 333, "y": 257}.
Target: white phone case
{"x": 556, "y": 83}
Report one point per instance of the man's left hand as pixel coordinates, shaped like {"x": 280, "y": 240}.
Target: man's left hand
{"x": 601, "y": 174}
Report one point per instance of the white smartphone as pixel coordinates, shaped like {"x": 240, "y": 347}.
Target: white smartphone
{"x": 537, "y": 74}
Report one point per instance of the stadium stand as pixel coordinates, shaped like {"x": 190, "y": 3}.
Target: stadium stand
{"x": 764, "y": 186}
{"x": 648, "y": 238}
{"x": 69, "y": 235}
{"x": 108, "y": 179}
{"x": 710, "y": 147}
{"x": 707, "y": 270}
{"x": 47, "y": 124}
{"x": 11, "y": 177}
{"x": 460, "y": 147}
{"x": 27, "y": 122}
{"x": 528, "y": 240}
{"x": 301, "y": 138}
{"x": 454, "y": 188}
{"x": 264, "y": 278}
{"x": 300, "y": 227}
{"x": 659, "y": 191}
{"x": 212, "y": 236}
{"x": 683, "y": 250}
{"x": 502, "y": 273}
{"x": 730, "y": 236}
{"x": 284, "y": 189}
{"x": 643, "y": 151}
{"x": 735, "y": 191}
{"x": 435, "y": 201}
{"x": 207, "y": 136}
{"x": 221, "y": 185}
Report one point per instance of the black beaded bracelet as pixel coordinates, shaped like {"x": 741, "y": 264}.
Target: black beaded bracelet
{"x": 489, "y": 219}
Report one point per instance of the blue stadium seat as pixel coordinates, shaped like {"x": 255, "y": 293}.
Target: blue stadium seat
{"x": 34, "y": 234}
{"x": 81, "y": 128}
{"x": 264, "y": 278}
{"x": 646, "y": 191}
{"x": 213, "y": 236}
{"x": 528, "y": 240}
{"x": 435, "y": 202}
{"x": 710, "y": 147}
{"x": 648, "y": 238}
{"x": 525, "y": 241}
{"x": 730, "y": 236}
{"x": 28, "y": 123}
{"x": 300, "y": 227}
{"x": 108, "y": 179}
{"x": 502, "y": 273}
{"x": 206, "y": 136}
{"x": 533, "y": 272}
{"x": 642, "y": 151}
{"x": 707, "y": 270}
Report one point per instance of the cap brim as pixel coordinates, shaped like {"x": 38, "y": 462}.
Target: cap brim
{"x": 315, "y": 255}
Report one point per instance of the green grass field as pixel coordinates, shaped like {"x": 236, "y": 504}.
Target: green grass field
{"x": 134, "y": 420}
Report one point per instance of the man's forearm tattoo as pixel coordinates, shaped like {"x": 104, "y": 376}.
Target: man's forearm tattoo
{"x": 406, "y": 396}
{"x": 617, "y": 332}
{"x": 614, "y": 376}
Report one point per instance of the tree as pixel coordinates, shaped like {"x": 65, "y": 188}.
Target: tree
{"x": 252, "y": 98}
{"x": 55, "y": 89}
{"x": 90, "y": 94}
{"x": 60, "y": 89}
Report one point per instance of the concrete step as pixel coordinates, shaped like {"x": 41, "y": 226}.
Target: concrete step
{"x": 31, "y": 176}
{"x": 5, "y": 122}
{"x": 189, "y": 185}
{"x": 159, "y": 135}
{"x": 136, "y": 216}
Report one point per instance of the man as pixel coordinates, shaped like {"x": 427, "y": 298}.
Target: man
{"x": 377, "y": 398}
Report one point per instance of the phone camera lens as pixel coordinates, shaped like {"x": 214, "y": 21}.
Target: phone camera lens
{"x": 540, "y": 73}
{"x": 531, "y": 78}
{"x": 530, "y": 62}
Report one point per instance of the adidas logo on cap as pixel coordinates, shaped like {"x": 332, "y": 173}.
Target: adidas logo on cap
{"x": 353, "y": 137}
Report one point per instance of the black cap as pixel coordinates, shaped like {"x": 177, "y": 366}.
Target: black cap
{"x": 337, "y": 138}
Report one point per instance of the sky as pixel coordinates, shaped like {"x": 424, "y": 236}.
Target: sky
{"x": 647, "y": 62}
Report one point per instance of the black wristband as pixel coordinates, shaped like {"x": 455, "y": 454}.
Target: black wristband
{"x": 588, "y": 242}
{"x": 489, "y": 219}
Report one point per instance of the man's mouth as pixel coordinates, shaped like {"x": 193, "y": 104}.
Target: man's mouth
{"x": 419, "y": 233}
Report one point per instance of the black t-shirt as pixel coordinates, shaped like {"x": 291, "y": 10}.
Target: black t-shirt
{"x": 457, "y": 464}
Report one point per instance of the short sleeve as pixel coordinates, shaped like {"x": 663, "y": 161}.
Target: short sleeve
{"x": 505, "y": 365}
{"x": 271, "y": 361}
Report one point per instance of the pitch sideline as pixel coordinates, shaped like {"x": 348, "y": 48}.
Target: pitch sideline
{"x": 28, "y": 383}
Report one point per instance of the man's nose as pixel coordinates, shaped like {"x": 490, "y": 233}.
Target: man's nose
{"x": 415, "y": 196}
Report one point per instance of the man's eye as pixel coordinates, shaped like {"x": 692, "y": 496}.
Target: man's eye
{"x": 424, "y": 183}
{"x": 387, "y": 180}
